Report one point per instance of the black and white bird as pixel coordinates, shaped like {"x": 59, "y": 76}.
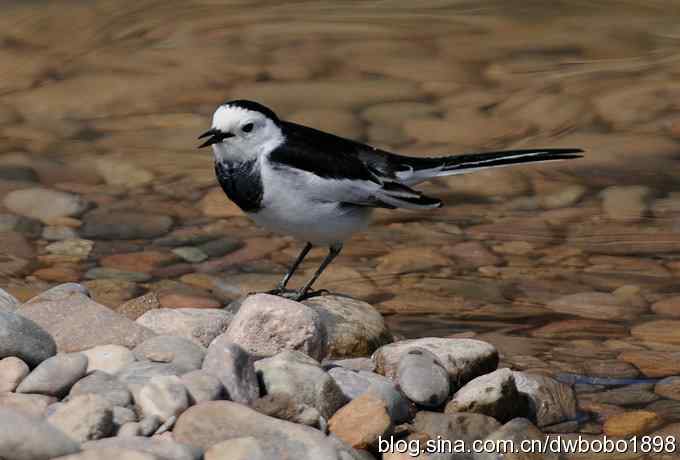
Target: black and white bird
{"x": 321, "y": 188}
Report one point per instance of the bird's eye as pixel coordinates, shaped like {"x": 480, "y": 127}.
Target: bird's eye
{"x": 248, "y": 127}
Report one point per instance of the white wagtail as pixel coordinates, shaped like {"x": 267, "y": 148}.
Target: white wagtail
{"x": 321, "y": 188}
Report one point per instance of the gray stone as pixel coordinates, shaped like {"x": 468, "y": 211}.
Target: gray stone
{"x": 12, "y": 372}
{"x": 34, "y": 405}
{"x": 516, "y": 430}
{"x": 59, "y": 233}
{"x": 104, "y": 224}
{"x": 247, "y": 448}
{"x": 108, "y": 358}
{"x": 24, "y": 339}
{"x": 149, "y": 424}
{"x": 465, "y": 427}
{"x": 164, "y": 396}
{"x": 282, "y": 406}
{"x": 357, "y": 364}
{"x": 123, "y": 415}
{"x": 200, "y": 325}
{"x": 234, "y": 368}
{"x": 493, "y": 394}
{"x": 166, "y": 450}
{"x": 44, "y": 204}
{"x": 105, "y": 385}
{"x": 23, "y": 437}
{"x": 355, "y": 383}
{"x": 110, "y": 453}
{"x": 7, "y": 301}
{"x": 202, "y": 386}
{"x": 139, "y": 373}
{"x": 354, "y": 328}
{"x": 209, "y": 423}
{"x": 179, "y": 351}
{"x": 550, "y": 401}
{"x": 190, "y": 254}
{"x": 60, "y": 292}
{"x": 77, "y": 323}
{"x": 297, "y": 375}
{"x": 102, "y": 273}
{"x": 84, "y": 418}
{"x": 56, "y": 375}
{"x": 464, "y": 359}
{"x": 422, "y": 378}
{"x": 267, "y": 324}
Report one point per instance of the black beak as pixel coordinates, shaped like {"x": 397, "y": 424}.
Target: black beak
{"x": 215, "y": 136}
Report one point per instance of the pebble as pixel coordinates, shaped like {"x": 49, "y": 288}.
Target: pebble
{"x": 23, "y": 437}
{"x": 98, "y": 273}
{"x": 108, "y": 358}
{"x": 25, "y": 339}
{"x": 31, "y": 404}
{"x": 596, "y": 305}
{"x": 518, "y": 430}
{"x": 361, "y": 422}
{"x": 56, "y": 375}
{"x": 190, "y": 254}
{"x": 112, "y": 292}
{"x": 234, "y": 368}
{"x": 412, "y": 259}
{"x": 58, "y": 233}
{"x": 550, "y": 401}
{"x": 669, "y": 306}
{"x": 180, "y": 300}
{"x": 58, "y": 274}
{"x": 123, "y": 415}
{"x": 74, "y": 247}
{"x": 354, "y": 383}
{"x": 220, "y": 247}
{"x": 246, "y": 448}
{"x": 84, "y": 418}
{"x": 199, "y": 325}
{"x": 353, "y": 328}
{"x": 161, "y": 449}
{"x": 630, "y": 395}
{"x": 626, "y": 203}
{"x": 464, "y": 359}
{"x": 12, "y": 372}
{"x": 44, "y": 204}
{"x": 422, "y": 378}
{"x": 164, "y": 396}
{"x": 265, "y": 325}
{"x": 104, "y": 385}
{"x": 77, "y": 323}
{"x": 467, "y": 427}
{"x": 282, "y": 406}
{"x": 664, "y": 331}
{"x": 202, "y": 386}
{"x": 16, "y": 244}
{"x": 653, "y": 364}
{"x": 139, "y": 373}
{"x": 209, "y": 423}
{"x": 124, "y": 225}
{"x": 632, "y": 423}
{"x": 122, "y": 173}
{"x": 141, "y": 262}
{"x": 472, "y": 254}
{"x": 667, "y": 388}
{"x": 8, "y": 302}
{"x": 110, "y": 453}
{"x": 181, "y": 352}
{"x": 494, "y": 394}
{"x": 301, "y": 378}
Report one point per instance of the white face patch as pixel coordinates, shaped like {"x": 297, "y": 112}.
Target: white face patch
{"x": 254, "y": 134}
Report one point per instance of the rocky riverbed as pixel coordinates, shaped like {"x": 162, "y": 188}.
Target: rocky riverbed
{"x": 569, "y": 271}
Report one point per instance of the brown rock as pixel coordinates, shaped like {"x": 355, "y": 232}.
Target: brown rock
{"x": 361, "y": 422}
{"x": 668, "y": 388}
{"x": 181, "y": 300}
{"x": 59, "y": 274}
{"x": 141, "y": 262}
{"x": 665, "y": 331}
{"x": 15, "y": 244}
{"x": 112, "y": 292}
{"x": 412, "y": 259}
{"x": 624, "y": 239}
{"x": 632, "y": 423}
{"x": 580, "y": 328}
{"x": 595, "y": 305}
{"x": 472, "y": 254}
{"x": 253, "y": 249}
{"x": 134, "y": 308}
{"x": 668, "y": 307}
{"x": 216, "y": 204}
{"x": 532, "y": 230}
{"x": 31, "y": 404}
{"x": 653, "y": 364}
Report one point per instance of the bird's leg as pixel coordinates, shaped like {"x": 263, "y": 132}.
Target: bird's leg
{"x": 333, "y": 252}
{"x": 281, "y": 287}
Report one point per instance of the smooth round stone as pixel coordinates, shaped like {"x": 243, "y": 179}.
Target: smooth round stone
{"x": 220, "y": 246}
{"x": 124, "y": 225}
{"x": 123, "y": 415}
{"x": 667, "y": 388}
{"x": 179, "y": 351}
{"x": 283, "y": 407}
{"x": 246, "y": 448}
{"x": 190, "y": 254}
{"x": 354, "y": 328}
{"x": 467, "y": 427}
{"x": 494, "y": 394}
{"x": 112, "y": 292}
{"x": 84, "y": 418}
{"x": 134, "y": 308}
{"x": 265, "y": 325}
{"x": 7, "y": 301}
{"x": 75, "y": 247}
{"x": 159, "y": 448}
{"x": 108, "y": 358}
{"x": 202, "y": 386}
{"x": 550, "y": 401}
{"x": 297, "y": 375}
{"x": 182, "y": 300}
{"x": 233, "y": 366}
{"x": 422, "y": 378}
{"x": 114, "y": 273}
{"x": 122, "y": 173}
{"x": 18, "y": 173}
{"x": 664, "y": 331}
{"x": 34, "y": 405}
{"x": 56, "y": 375}
{"x": 23, "y": 338}
{"x": 139, "y": 373}
{"x": 105, "y": 385}
{"x": 58, "y": 233}
{"x": 12, "y": 372}
{"x": 110, "y": 453}
{"x": 653, "y": 364}
{"x": 164, "y": 396}
{"x": 519, "y": 430}
{"x": 23, "y": 437}
{"x": 199, "y": 325}
{"x": 596, "y": 305}
{"x": 361, "y": 422}
{"x": 632, "y": 423}
{"x": 44, "y": 204}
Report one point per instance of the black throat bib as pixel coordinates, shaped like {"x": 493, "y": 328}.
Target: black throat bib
{"x": 242, "y": 183}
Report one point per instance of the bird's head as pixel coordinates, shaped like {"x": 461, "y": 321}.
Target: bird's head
{"x": 242, "y": 130}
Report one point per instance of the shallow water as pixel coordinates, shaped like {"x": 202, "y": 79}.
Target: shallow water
{"x": 567, "y": 268}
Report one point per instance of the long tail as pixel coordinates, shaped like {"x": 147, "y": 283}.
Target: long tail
{"x": 421, "y": 169}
